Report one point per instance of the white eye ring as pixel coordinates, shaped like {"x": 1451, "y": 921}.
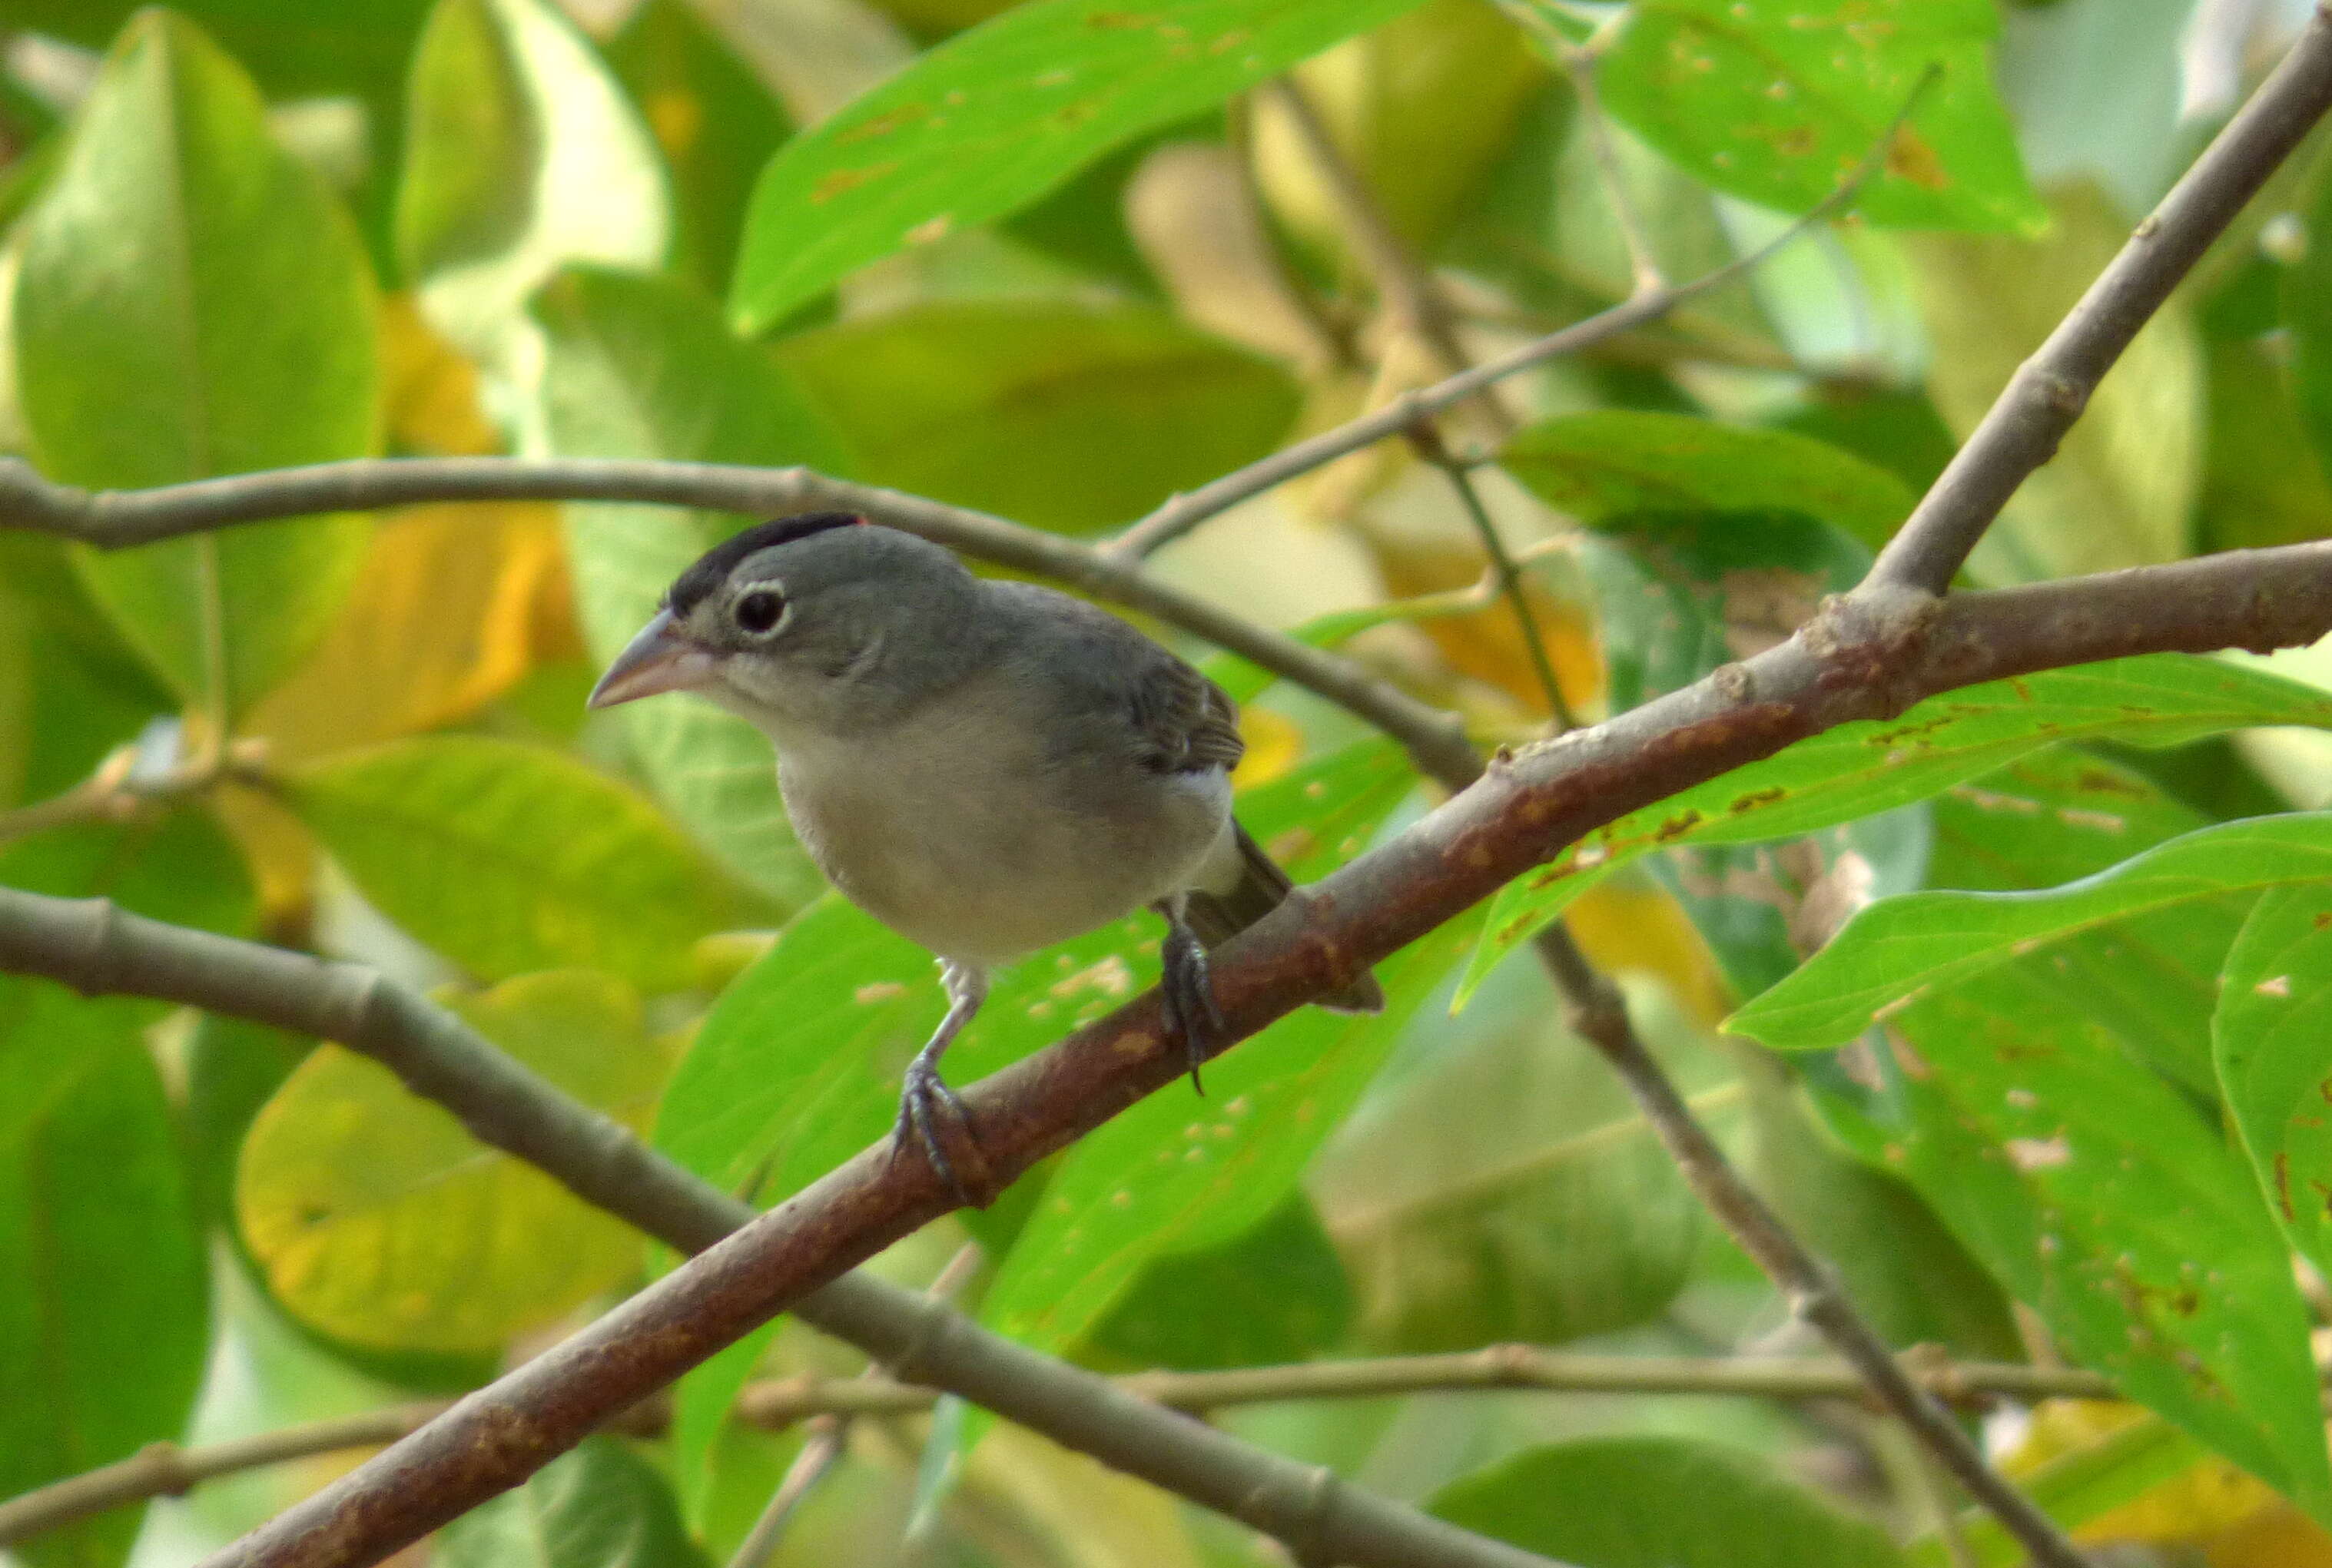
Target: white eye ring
{"x": 760, "y": 612}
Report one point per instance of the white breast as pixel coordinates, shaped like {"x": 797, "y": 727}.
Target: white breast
{"x": 980, "y": 850}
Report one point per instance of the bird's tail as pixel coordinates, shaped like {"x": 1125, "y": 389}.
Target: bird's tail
{"x": 1217, "y": 917}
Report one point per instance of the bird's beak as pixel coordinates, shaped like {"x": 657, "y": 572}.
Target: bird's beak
{"x": 660, "y": 659}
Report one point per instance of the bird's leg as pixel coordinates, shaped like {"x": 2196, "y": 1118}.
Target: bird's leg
{"x": 1186, "y": 987}
{"x": 967, "y": 988}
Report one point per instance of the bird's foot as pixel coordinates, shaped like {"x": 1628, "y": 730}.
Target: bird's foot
{"x": 922, "y": 1097}
{"x": 1187, "y": 990}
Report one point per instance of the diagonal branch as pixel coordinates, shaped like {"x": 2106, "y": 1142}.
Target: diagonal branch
{"x": 1594, "y": 1007}
{"x": 96, "y": 947}
{"x": 2021, "y": 431}
{"x": 1864, "y": 656}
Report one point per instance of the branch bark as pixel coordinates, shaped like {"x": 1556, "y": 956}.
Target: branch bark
{"x": 1867, "y": 656}
{"x": 491, "y": 1440}
{"x": 120, "y": 519}
{"x": 2021, "y": 431}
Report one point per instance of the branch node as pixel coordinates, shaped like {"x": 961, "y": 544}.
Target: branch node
{"x": 2060, "y": 393}
{"x": 167, "y": 1461}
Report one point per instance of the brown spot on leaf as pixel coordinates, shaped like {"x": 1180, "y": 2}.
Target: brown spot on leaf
{"x": 846, "y": 179}
{"x": 1912, "y": 158}
{"x": 2283, "y": 1184}
{"x": 884, "y": 124}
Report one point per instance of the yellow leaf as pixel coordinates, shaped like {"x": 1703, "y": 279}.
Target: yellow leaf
{"x": 451, "y": 609}
{"x": 378, "y": 1219}
{"x": 2240, "y": 1521}
{"x": 1629, "y": 923}
{"x": 1274, "y": 745}
{"x": 431, "y": 390}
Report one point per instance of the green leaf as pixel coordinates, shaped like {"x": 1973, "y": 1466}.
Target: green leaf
{"x": 507, "y": 857}
{"x": 1679, "y": 595}
{"x": 179, "y": 867}
{"x": 642, "y": 368}
{"x": 360, "y": 54}
{"x": 1506, "y": 1189}
{"x": 1860, "y": 768}
{"x": 1658, "y": 1502}
{"x": 2273, "y": 1041}
{"x": 797, "y": 1067}
{"x": 1780, "y": 104}
{"x": 194, "y": 302}
{"x": 2308, "y": 315}
{"x": 2092, "y": 1190}
{"x": 2120, "y": 489}
{"x": 1900, "y": 950}
{"x": 377, "y": 1219}
{"x": 997, "y": 116}
{"x": 524, "y": 157}
{"x": 103, "y": 1327}
{"x": 1172, "y": 1174}
{"x": 928, "y": 396}
{"x": 1276, "y": 1294}
{"x": 600, "y": 1506}
{"x": 713, "y": 121}
{"x": 2063, "y": 814}
{"x": 1604, "y": 465}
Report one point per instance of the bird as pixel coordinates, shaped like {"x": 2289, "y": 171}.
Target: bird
{"x": 987, "y": 767}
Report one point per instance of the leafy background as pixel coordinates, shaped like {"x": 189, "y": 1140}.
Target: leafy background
{"x": 1060, "y": 259}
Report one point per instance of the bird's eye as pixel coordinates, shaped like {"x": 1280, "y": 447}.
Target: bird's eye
{"x": 760, "y": 610}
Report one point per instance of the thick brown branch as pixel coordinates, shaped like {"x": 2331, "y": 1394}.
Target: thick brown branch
{"x": 1864, "y": 656}
{"x": 2049, "y": 391}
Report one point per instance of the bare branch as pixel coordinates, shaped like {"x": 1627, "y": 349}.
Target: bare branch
{"x": 1599, "y": 1015}
{"x": 496, "y": 1437}
{"x": 1596, "y": 1009}
{"x": 2049, "y": 391}
{"x": 1184, "y": 513}
{"x": 164, "y": 1469}
{"x": 1867, "y": 656}
{"x": 118, "y": 519}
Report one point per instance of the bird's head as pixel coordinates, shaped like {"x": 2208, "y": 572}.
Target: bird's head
{"x": 821, "y": 621}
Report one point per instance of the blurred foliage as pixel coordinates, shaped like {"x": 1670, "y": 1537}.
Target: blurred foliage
{"x": 2054, "y": 1089}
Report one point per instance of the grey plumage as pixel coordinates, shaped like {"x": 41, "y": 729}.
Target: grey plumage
{"x": 988, "y": 768}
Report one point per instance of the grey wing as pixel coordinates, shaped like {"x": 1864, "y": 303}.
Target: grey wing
{"x": 1184, "y": 721}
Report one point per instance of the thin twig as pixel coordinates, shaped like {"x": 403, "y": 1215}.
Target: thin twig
{"x": 776, "y": 1404}
{"x": 118, "y": 519}
{"x": 1594, "y": 1003}
{"x": 830, "y": 1435}
{"x": 1598, "y": 1014}
{"x": 1402, "y": 285}
{"x": 1643, "y": 263}
{"x": 1415, "y": 302}
{"x": 116, "y": 791}
{"x": 1507, "y": 569}
{"x": 1184, "y": 513}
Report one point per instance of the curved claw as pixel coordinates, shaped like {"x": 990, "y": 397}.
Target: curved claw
{"x": 922, "y": 1089}
{"x": 1187, "y": 990}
